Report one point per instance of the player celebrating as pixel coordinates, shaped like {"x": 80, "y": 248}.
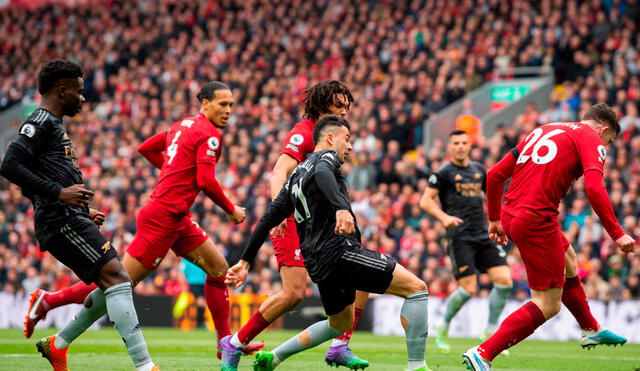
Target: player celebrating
{"x": 324, "y": 98}
{"x": 187, "y": 155}
{"x": 459, "y": 184}
{"x": 316, "y": 193}
{"x": 43, "y": 163}
{"x": 542, "y": 168}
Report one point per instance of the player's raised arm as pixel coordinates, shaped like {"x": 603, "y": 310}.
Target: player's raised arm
{"x": 153, "y": 147}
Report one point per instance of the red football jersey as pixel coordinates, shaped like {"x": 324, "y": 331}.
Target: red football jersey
{"x": 189, "y": 142}
{"x": 549, "y": 160}
{"x": 299, "y": 141}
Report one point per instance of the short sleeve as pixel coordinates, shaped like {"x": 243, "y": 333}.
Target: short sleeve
{"x": 31, "y": 136}
{"x": 209, "y": 148}
{"x": 436, "y": 180}
{"x": 297, "y": 144}
{"x": 592, "y": 152}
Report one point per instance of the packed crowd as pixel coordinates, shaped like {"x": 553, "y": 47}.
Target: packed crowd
{"x": 144, "y": 62}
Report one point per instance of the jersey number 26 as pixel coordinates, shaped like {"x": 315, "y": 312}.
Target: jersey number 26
{"x": 540, "y": 142}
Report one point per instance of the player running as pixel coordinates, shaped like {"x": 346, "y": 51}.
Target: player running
{"x": 542, "y": 168}
{"x": 316, "y": 193}
{"x": 43, "y": 163}
{"x": 324, "y": 98}
{"x": 187, "y": 154}
{"x": 460, "y": 184}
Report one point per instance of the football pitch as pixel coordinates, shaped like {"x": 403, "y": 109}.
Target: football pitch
{"x": 176, "y": 350}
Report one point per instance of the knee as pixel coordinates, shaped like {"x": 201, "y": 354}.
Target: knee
{"x": 550, "y": 309}
{"x": 113, "y": 273}
{"x": 294, "y": 295}
{"x": 417, "y": 285}
{"x": 503, "y": 281}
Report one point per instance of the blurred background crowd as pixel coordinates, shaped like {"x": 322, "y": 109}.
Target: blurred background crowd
{"x": 145, "y": 60}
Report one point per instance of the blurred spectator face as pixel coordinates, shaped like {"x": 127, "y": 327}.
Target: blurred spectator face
{"x": 459, "y": 147}
{"x": 218, "y": 109}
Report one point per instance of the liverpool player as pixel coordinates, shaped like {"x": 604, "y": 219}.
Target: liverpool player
{"x": 316, "y": 193}
{"x": 459, "y": 185}
{"x": 44, "y": 164}
{"x": 541, "y": 169}
{"x": 322, "y": 99}
{"x": 187, "y": 154}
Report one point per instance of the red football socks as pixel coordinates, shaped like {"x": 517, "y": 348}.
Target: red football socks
{"x": 515, "y": 328}
{"x": 574, "y": 298}
{"x": 217, "y": 297}
{"x": 72, "y": 294}
{"x": 347, "y": 335}
{"x": 254, "y": 326}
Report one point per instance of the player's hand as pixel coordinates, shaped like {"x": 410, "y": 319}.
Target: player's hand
{"x": 75, "y": 195}
{"x": 496, "y": 233}
{"x": 344, "y": 222}
{"x": 451, "y": 221}
{"x": 237, "y": 275}
{"x": 238, "y": 215}
{"x": 97, "y": 217}
{"x": 626, "y": 243}
{"x": 279, "y": 230}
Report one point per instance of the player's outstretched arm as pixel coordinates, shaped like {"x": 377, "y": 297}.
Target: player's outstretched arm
{"x": 599, "y": 199}
{"x": 152, "y": 149}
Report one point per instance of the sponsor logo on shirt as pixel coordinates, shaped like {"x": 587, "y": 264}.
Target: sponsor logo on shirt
{"x": 291, "y": 146}
{"x": 297, "y": 139}
{"x": 28, "y": 130}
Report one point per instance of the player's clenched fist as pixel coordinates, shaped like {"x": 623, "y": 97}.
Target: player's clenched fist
{"x": 237, "y": 274}
{"x": 97, "y": 217}
{"x": 626, "y": 243}
{"x": 238, "y": 215}
{"x": 75, "y": 195}
{"x": 344, "y": 222}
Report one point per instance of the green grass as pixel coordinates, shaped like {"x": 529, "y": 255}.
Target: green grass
{"x": 176, "y": 350}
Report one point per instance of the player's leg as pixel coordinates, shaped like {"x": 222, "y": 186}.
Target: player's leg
{"x": 114, "y": 294}
{"x": 312, "y": 336}
{"x": 542, "y": 252}
{"x": 41, "y": 301}
{"x": 294, "y": 284}
{"x": 413, "y": 315}
{"x": 207, "y": 257}
{"x": 492, "y": 259}
{"x": 339, "y": 349}
{"x": 575, "y": 299}
{"x": 464, "y": 270}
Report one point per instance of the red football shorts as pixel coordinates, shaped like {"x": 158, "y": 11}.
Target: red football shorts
{"x": 287, "y": 247}
{"x": 160, "y": 230}
{"x": 542, "y": 247}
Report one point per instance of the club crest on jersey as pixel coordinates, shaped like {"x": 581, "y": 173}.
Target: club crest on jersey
{"x": 602, "y": 152}
{"x": 457, "y": 177}
{"x": 297, "y": 139}
{"x": 28, "y": 130}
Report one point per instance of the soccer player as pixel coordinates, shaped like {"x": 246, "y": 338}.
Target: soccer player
{"x": 43, "y": 163}
{"x": 460, "y": 184}
{"x": 187, "y": 154}
{"x": 542, "y": 168}
{"x": 316, "y": 193}
{"x": 322, "y": 99}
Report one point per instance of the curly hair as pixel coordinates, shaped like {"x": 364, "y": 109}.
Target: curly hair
{"x": 320, "y": 96}
{"x": 53, "y": 71}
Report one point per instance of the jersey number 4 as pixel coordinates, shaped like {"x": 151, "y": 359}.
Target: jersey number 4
{"x": 172, "y": 150}
{"x": 540, "y": 141}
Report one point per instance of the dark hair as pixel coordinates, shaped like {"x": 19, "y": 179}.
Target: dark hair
{"x": 604, "y": 115}
{"x": 209, "y": 89}
{"x": 326, "y": 122}
{"x": 457, "y": 132}
{"x": 54, "y": 71}
{"x": 320, "y": 96}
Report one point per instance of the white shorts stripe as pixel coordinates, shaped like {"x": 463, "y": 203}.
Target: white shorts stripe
{"x": 365, "y": 260}
{"x": 83, "y": 247}
{"x": 84, "y": 243}
{"x": 364, "y": 257}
